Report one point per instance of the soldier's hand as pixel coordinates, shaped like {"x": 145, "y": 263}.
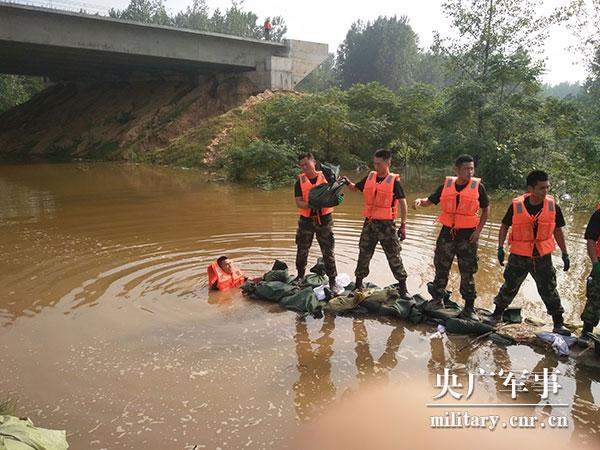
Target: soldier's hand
{"x": 417, "y": 203}
{"x": 501, "y": 255}
{"x": 566, "y": 262}
{"x": 402, "y": 231}
{"x": 474, "y": 236}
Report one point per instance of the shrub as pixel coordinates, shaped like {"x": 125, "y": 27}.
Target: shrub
{"x": 262, "y": 163}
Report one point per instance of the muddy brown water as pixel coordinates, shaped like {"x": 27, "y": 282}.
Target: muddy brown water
{"x": 107, "y": 329}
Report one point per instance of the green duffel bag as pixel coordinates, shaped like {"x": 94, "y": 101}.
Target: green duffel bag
{"x": 464, "y": 326}
{"x": 304, "y": 302}
{"x": 443, "y": 314}
{"x": 342, "y": 303}
{"x": 407, "y": 310}
{"x": 274, "y": 290}
{"x": 326, "y": 195}
{"x": 277, "y": 275}
{"x": 313, "y": 280}
{"x": 249, "y": 287}
{"x": 319, "y": 267}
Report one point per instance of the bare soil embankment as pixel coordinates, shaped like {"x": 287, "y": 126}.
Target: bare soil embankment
{"x": 165, "y": 122}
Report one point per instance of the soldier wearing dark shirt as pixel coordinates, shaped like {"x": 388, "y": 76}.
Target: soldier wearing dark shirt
{"x": 537, "y": 223}
{"x": 383, "y": 202}
{"x": 461, "y": 198}
{"x": 591, "y": 312}
{"x": 313, "y": 222}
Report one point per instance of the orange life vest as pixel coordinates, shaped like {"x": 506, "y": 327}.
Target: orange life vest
{"x": 306, "y": 186}
{"x": 522, "y": 239}
{"x": 598, "y": 241}
{"x": 379, "y": 202}
{"x": 224, "y": 280}
{"x": 464, "y": 214}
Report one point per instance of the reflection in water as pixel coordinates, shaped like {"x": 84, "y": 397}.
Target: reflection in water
{"x": 314, "y": 389}
{"x": 368, "y": 368}
{"x": 586, "y": 410}
{"x": 104, "y": 293}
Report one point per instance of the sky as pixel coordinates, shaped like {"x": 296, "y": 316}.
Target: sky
{"x": 328, "y": 21}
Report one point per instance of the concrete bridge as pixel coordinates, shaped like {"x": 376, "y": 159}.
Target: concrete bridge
{"x": 64, "y": 45}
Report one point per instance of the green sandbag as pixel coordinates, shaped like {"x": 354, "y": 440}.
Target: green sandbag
{"x": 249, "y": 287}
{"x": 407, "y": 310}
{"x": 313, "y": 280}
{"x": 380, "y": 300}
{"x": 326, "y": 195}
{"x": 319, "y": 267}
{"x": 277, "y": 275}
{"x": 304, "y": 301}
{"x": 342, "y": 303}
{"x": 279, "y": 265}
{"x": 273, "y": 290}
{"x": 20, "y": 434}
{"x": 464, "y": 326}
{"x": 331, "y": 172}
{"x": 444, "y": 313}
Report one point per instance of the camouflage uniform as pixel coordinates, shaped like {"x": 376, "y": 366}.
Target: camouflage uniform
{"x": 307, "y": 229}
{"x": 446, "y": 248}
{"x": 384, "y": 232}
{"x": 591, "y": 312}
{"x": 544, "y": 275}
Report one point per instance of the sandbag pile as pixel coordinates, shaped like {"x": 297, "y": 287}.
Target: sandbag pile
{"x": 278, "y": 286}
{"x": 21, "y": 434}
{"x": 301, "y": 296}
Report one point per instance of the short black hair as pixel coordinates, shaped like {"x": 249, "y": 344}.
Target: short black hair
{"x": 308, "y": 155}
{"x": 536, "y": 175}
{"x": 220, "y": 259}
{"x": 463, "y": 159}
{"x": 383, "y": 153}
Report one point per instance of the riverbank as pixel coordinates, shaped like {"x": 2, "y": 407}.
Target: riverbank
{"x": 166, "y": 122}
{"x": 224, "y": 127}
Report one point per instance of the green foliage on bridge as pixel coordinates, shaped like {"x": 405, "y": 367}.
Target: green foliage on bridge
{"x": 235, "y": 20}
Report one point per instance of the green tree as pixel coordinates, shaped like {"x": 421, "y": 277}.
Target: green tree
{"x": 494, "y": 110}
{"x": 322, "y": 78}
{"x": 385, "y": 50}
{"x": 197, "y": 16}
{"x": 145, "y": 11}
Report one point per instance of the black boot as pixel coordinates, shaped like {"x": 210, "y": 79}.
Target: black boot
{"x": 403, "y": 291}
{"x": 586, "y": 335}
{"x": 468, "y": 311}
{"x": 435, "y": 302}
{"x": 496, "y": 317}
{"x": 358, "y": 284}
{"x": 559, "y": 326}
{"x": 298, "y": 280}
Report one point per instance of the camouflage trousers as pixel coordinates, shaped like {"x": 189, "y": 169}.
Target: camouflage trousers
{"x": 384, "y": 232}
{"x": 543, "y": 273}
{"x": 446, "y": 248}
{"x": 304, "y": 238}
{"x": 591, "y": 312}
